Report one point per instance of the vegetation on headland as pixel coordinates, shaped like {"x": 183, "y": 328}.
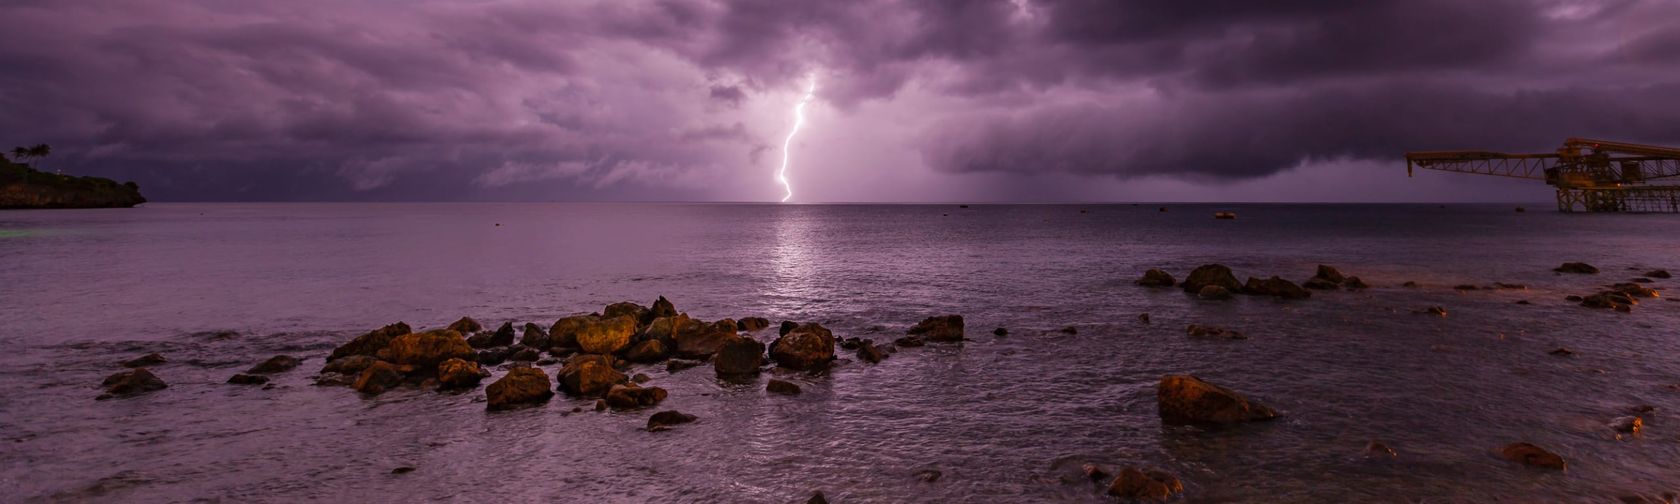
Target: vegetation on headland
{"x": 22, "y": 186}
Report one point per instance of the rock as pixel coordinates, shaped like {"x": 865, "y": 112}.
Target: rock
{"x": 1433, "y": 310}
{"x": 868, "y": 352}
{"x": 336, "y": 379}
{"x": 1562, "y": 352}
{"x": 1143, "y": 317}
{"x": 379, "y": 377}
{"x": 1145, "y": 484}
{"x": 352, "y": 365}
{"x": 739, "y": 356}
{"x": 1532, "y": 456}
{"x": 1210, "y": 274}
{"x": 460, "y": 373}
{"x": 648, "y": 351}
{"x": 782, "y": 387}
{"x": 909, "y": 341}
{"x": 1609, "y": 300}
{"x": 465, "y": 326}
{"x": 1576, "y": 267}
{"x": 809, "y": 346}
{"x": 1627, "y": 424}
{"x": 674, "y": 365}
{"x": 275, "y": 364}
{"x": 248, "y": 379}
{"x": 817, "y": 498}
{"x": 520, "y": 387}
{"x": 524, "y": 354}
{"x": 403, "y": 470}
{"x": 698, "y": 340}
{"x": 606, "y": 335}
{"x": 752, "y": 323}
{"x": 1188, "y": 400}
{"x": 600, "y": 405}
{"x": 1156, "y": 278}
{"x": 1000, "y": 332}
{"x": 1206, "y": 331}
{"x": 1275, "y": 286}
{"x": 787, "y": 325}
{"x": 563, "y": 333}
{"x": 1068, "y": 330}
{"x": 371, "y": 343}
{"x": 1523, "y": 302}
{"x": 1329, "y": 273}
{"x": 1379, "y": 449}
{"x": 503, "y": 336}
{"x": 151, "y": 359}
{"x": 640, "y": 378}
{"x": 132, "y": 382}
{"x": 1573, "y": 299}
{"x": 424, "y": 350}
{"x": 664, "y": 420}
{"x": 1634, "y": 290}
{"x": 929, "y": 475}
{"x": 1214, "y": 292}
{"x": 1317, "y": 283}
{"x": 1509, "y": 286}
{"x": 631, "y": 396}
{"x": 663, "y": 308}
{"x": 638, "y": 314}
{"x": 1410, "y": 285}
{"x": 940, "y": 328}
{"x": 498, "y": 355}
{"x": 1465, "y": 287}
{"x": 1658, "y": 274}
{"x": 1354, "y": 283}
{"x": 586, "y": 375}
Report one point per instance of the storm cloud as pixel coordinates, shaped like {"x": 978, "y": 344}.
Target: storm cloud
{"x": 681, "y": 99}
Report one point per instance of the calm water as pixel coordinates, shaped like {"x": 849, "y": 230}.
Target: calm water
{"x": 1006, "y": 419}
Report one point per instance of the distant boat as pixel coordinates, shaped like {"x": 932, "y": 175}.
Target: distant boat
{"x": 1225, "y": 215}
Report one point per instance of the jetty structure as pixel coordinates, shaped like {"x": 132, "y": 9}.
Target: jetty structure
{"x": 1589, "y": 175}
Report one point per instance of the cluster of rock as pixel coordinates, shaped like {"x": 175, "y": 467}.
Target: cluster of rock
{"x": 1215, "y": 281}
{"x": 1620, "y": 297}
{"x": 139, "y": 379}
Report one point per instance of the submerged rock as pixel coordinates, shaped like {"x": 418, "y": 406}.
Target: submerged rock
{"x": 1188, "y": 400}
{"x": 1275, "y": 286}
{"x": 1211, "y": 274}
{"x": 132, "y": 382}
{"x": 674, "y": 365}
{"x": 465, "y": 326}
{"x": 459, "y": 373}
{"x": 371, "y": 343}
{"x": 1000, "y": 332}
{"x": 664, "y": 420}
{"x": 606, "y": 335}
{"x": 939, "y": 328}
{"x": 520, "y": 387}
{"x": 781, "y": 387}
{"x": 1576, "y": 267}
{"x": 1145, "y": 484}
{"x": 1156, "y": 278}
{"x": 586, "y": 375}
{"x": 1533, "y": 456}
{"x": 631, "y": 396}
{"x": 248, "y": 379}
{"x": 275, "y": 364}
{"x": 151, "y": 359}
{"x": 1198, "y": 330}
{"x": 424, "y": 350}
{"x": 1379, "y": 449}
{"x": 806, "y": 347}
{"x": 1433, "y": 310}
{"x": 929, "y": 475}
{"x": 1658, "y": 274}
{"x": 909, "y": 342}
{"x": 740, "y": 356}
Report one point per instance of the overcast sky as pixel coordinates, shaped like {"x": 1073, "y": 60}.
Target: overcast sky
{"x": 918, "y": 100}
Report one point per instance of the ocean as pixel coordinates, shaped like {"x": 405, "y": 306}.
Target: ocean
{"x": 1002, "y": 418}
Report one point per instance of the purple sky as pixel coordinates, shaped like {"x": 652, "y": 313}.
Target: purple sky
{"x": 919, "y": 100}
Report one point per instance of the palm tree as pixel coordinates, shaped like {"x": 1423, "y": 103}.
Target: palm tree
{"x": 40, "y": 151}
{"x": 20, "y": 154}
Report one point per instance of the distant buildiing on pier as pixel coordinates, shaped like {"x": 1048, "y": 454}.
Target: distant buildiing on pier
{"x": 1590, "y": 175}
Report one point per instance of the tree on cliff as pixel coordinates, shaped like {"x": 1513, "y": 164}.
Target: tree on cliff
{"x": 36, "y": 151}
{"x": 20, "y": 153}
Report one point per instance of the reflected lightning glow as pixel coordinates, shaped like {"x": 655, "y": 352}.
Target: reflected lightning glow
{"x": 798, "y": 120}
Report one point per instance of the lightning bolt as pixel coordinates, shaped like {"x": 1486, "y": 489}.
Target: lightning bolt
{"x": 798, "y": 120}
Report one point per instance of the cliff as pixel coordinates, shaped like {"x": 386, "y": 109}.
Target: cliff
{"x": 25, "y": 187}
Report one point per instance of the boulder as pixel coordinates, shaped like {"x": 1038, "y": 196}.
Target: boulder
{"x": 939, "y": 328}
{"x": 1379, "y": 450}
{"x": 379, "y": 377}
{"x": 631, "y": 396}
{"x": 1188, "y": 400}
{"x": 151, "y": 359}
{"x": 1210, "y": 274}
{"x": 563, "y": 334}
{"x": 460, "y": 373}
{"x": 534, "y": 336}
{"x": 638, "y": 314}
{"x": 1576, "y": 267}
{"x": 781, "y": 387}
{"x": 739, "y": 356}
{"x": 1207, "y": 331}
{"x": 1658, "y": 274}
{"x": 275, "y": 364}
{"x": 520, "y": 387}
{"x": 1145, "y": 484}
{"x": 787, "y": 325}
{"x": 1354, "y": 283}
{"x": 502, "y": 337}
{"x": 809, "y": 346}
{"x": 752, "y": 323}
{"x": 640, "y": 378}
{"x": 1000, "y": 331}
{"x": 371, "y": 343}
{"x": 132, "y": 382}
{"x": 662, "y": 308}
{"x": 698, "y": 340}
{"x": 664, "y": 420}
{"x": 424, "y": 350}
{"x": 1214, "y": 292}
{"x": 1275, "y": 286}
{"x": 466, "y": 326}
{"x": 587, "y": 375}
{"x": 524, "y": 354}
{"x": 868, "y": 352}
{"x": 248, "y": 379}
{"x": 1330, "y": 273}
{"x": 648, "y": 351}
{"x": 352, "y": 365}
{"x": 909, "y": 342}
{"x": 606, "y": 335}
{"x": 498, "y": 355}
{"x": 1156, "y": 278}
{"x": 1532, "y": 456}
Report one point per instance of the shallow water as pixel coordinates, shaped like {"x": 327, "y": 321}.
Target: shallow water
{"x": 1005, "y": 419}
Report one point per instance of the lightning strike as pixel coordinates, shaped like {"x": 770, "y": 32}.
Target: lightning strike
{"x": 798, "y": 120}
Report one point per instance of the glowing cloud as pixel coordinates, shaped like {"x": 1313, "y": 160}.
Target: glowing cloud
{"x": 798, "y": 120}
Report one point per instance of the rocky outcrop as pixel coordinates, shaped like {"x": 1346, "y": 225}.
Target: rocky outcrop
{"x": 1156, "y": 278}
{"x": 1188, "y": 400}
{"x": 425, "y": 350}
{"x": 132, "y": 382}
{"x": 1277, "y": 287}
{"x": 460, "y": 373}
{"x": 739, "y": 356}
{"x": 638, "y": 314}
{"x": 1533, "y": 456}
{"x": 1210, "y": 274}
{"x": 752, "y": 323}
{"x": 151, "y": 359}
{"x": 466, "y": 326}
{"x": 944, "y": 328}
{"x": 807, "y": 347}
{"x": 275, "y": 364}
{"x": 522, "y": 386}
{"x": 371, "y": 343}
{"x": 606, "y": 335}
{"x": 1145, "y": 484}
{"x": 631, "y": 396}
{"x": 587, "y": 375}
{"x": 781, "y": 387}
{"x": 379, "y": 377}
{"x": 664, "y": 420}
{"x": 698, "y": 340}
{"x": 1577, "y": 267}
{"x": 24, "y": 187}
